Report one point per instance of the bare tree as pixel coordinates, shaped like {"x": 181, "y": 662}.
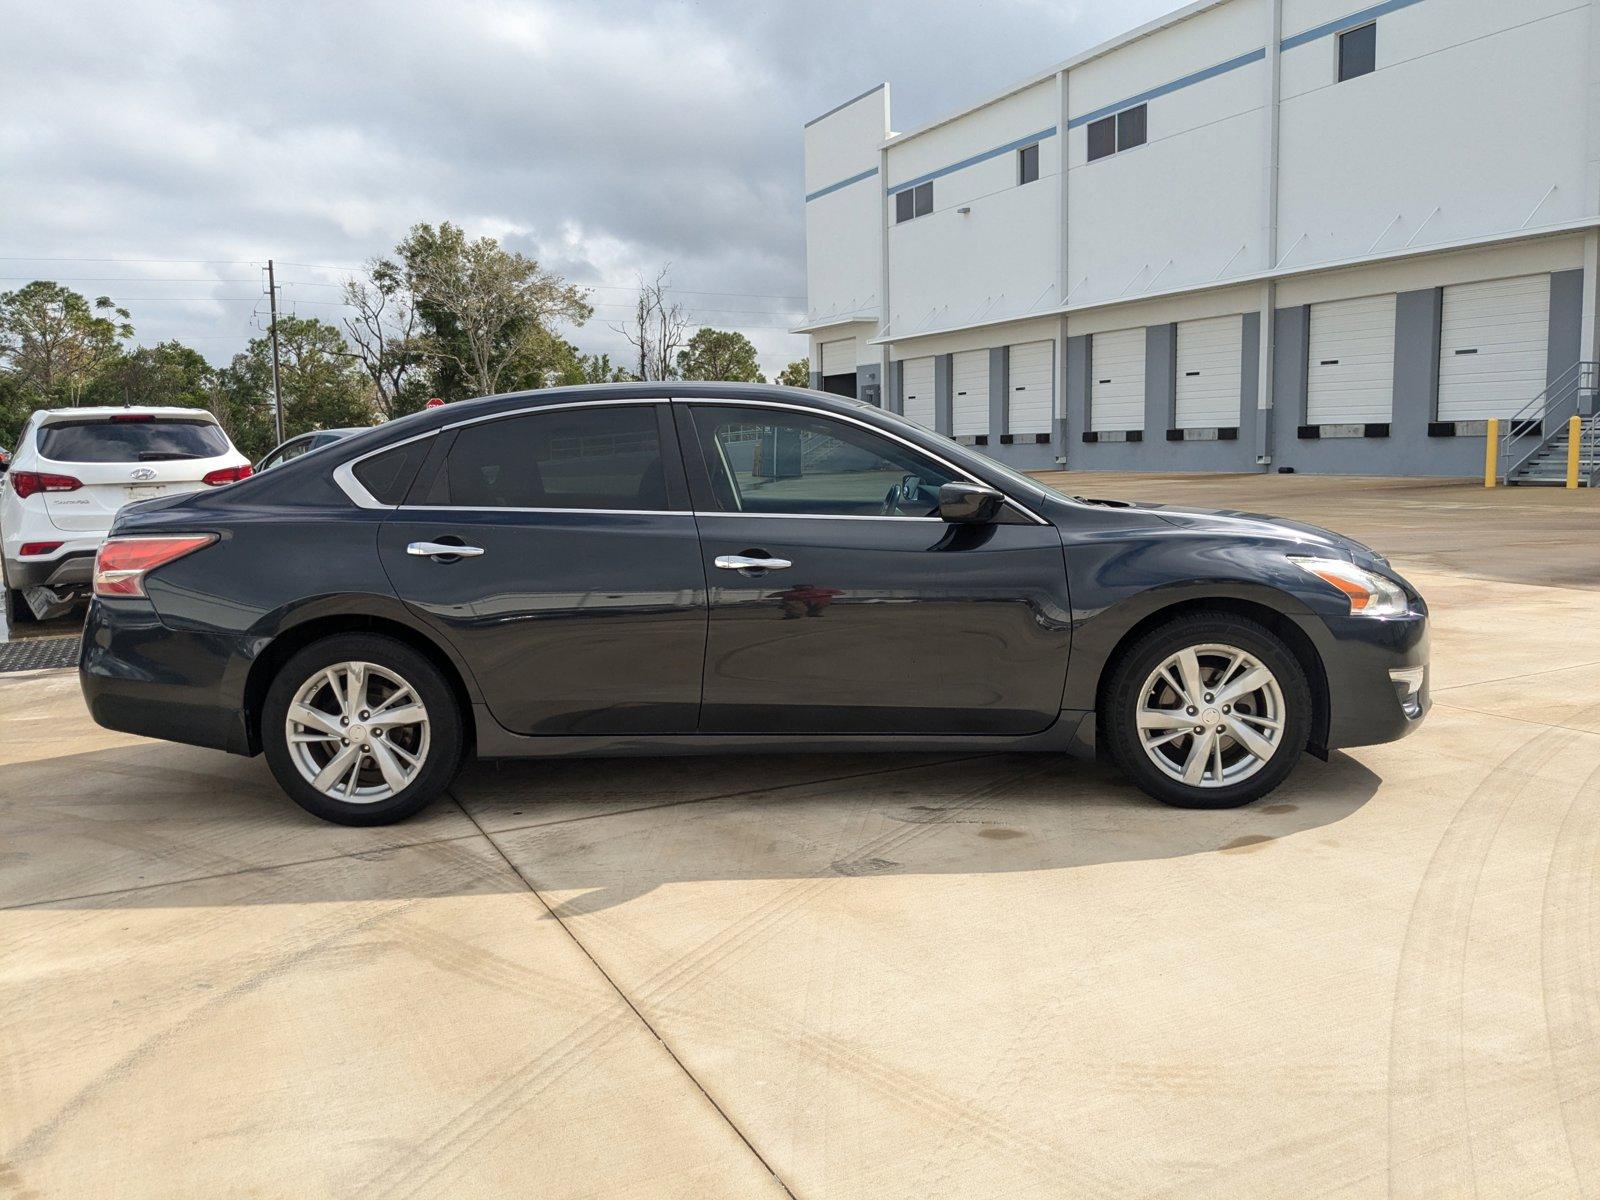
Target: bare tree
{"x": 386, "y": 333}
{"x": 657, "y": 328}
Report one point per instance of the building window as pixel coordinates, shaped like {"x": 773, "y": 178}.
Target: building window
{"x": 1129, "y": 128}
{"x": 1358, "y": 52}
{"x": 1028, "y": 163}
{"x": 913, "y": 202}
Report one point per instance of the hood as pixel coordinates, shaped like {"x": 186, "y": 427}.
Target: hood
{"x": 1308, "y": 539}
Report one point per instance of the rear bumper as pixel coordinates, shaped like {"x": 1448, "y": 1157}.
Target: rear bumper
{"x": 67, "y": 568}
{"x": 1361, "y": 657}
{"x": 140, "y": 677}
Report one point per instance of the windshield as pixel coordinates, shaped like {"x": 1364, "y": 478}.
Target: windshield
{"x": 120, "y": 441}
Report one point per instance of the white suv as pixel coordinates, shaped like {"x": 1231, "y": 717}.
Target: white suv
{"x": 73, "y": 469}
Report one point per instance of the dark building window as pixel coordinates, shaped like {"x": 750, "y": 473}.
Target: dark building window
{"x": 1122, "y": 132}
{"x": 913, "y": 202}
{"x": 1028, "y": 163}
{"x": 1358, "y": 52}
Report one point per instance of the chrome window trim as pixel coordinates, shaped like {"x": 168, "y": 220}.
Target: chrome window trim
{"x": 344, "y": 473}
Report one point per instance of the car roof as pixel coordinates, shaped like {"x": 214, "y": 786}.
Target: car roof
{"x": 45, "y": 415}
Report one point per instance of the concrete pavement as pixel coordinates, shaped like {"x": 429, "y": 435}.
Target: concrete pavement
{"x": 957, "y": 975}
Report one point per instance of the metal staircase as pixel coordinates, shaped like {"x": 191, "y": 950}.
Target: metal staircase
{"x": 1535, "y": 443}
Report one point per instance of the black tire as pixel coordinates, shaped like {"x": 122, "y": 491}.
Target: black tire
{"x": 1119, "y": 711}
{"x": 445, "y": 724}
{"x": 17, "y": 611}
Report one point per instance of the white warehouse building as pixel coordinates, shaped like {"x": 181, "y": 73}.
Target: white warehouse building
{"x": 1252, "y": 235}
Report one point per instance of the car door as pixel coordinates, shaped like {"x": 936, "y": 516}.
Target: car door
{"x": 556, "y": 551}
{"x": 841, "y": 603}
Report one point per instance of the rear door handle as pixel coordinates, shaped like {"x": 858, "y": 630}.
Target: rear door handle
{"x": 442, "y": 549}
{"x": 740, "y": 562}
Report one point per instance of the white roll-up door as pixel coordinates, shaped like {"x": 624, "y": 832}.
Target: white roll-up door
{"x": 1493, "y": 347}
{"x": 1116, "y": 393}
{"x": 969, "y": 387}
{"x": 1351, "y": 376}
{"x": 1209, "y": 372}
{"x": 1033, "y": 387}
{"x": 917, "y": 388}
{"x": 839, "y": 358}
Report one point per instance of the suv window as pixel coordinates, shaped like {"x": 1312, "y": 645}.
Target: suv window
{"x": 763, "y": 460}
{"x": 602, "y": 457}
{"x": 129, "y": 439}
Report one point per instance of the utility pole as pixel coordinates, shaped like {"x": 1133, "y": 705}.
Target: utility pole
{"x": 277, "y": 396}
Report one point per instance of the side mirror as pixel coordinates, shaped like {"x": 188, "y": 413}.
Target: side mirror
{"x": 970, "y": 503}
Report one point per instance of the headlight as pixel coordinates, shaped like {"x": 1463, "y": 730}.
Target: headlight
{"x": 1370, "y": 595}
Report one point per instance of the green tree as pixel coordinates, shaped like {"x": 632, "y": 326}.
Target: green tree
{"x": 322, "y": 386}
{"x": 796, "y": 374}
{"x": 488, "y": 313}
{"x": 54, "y": 343}
{"x": 167, "y": 373}
{"x": 719, "y": 354}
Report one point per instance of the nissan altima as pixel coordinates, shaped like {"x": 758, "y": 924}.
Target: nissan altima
{"x": 653, "y": 569}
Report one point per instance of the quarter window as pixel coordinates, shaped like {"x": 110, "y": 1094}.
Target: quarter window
{"x": 1358, "y": 52}
{"x": 602, "y": 457}
{"x": 1028, "y": 163}
{"x": 387, "y": 476}
{"x": 913, "y": 202}
{"x": 778, "y": 462}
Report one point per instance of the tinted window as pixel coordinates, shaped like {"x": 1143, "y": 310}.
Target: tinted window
{"x": 1028, "y": 163}
{"x": 1102, "y": 138}
{"x": 599, "y": 457}
{"x": 1358, "y": 52}
{"x": 1131, "y": 127}
{"x": 924, "y": 195}
{"x": 388, "y": 476}
{"x": 119, "y": 441}
{"x": 771, "y": 461}
{"x": 904, "y": 206}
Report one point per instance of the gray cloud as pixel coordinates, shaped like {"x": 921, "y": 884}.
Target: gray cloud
{"x": 605, "y": 138}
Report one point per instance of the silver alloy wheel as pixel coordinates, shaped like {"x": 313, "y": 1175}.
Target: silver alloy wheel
{"x": 1211, "y": 716}
{"x": 357, "y": 732}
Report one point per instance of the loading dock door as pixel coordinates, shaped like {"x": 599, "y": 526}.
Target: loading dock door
{"x": 1493, "y": 347}
{"x": 1209, "y": 372}
{"x": 839, "y": 367}
{"x": 1033, "y": 387}
{"x": 918, "y": 390}
{"x": 969, "y": 402}
{"x": 1116, "y": 393}
{"x": 1351, "y": 376}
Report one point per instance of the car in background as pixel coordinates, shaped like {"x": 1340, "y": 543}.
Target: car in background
{"x": 303, "y": 444}
{"x": 73, "y": 470}
{"x": 5, "y": 459}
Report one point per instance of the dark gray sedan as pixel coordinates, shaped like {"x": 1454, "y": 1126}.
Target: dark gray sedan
{"x": 693, "y": 568}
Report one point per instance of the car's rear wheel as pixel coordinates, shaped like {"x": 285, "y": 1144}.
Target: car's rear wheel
{"x": 1211, "y": 710}
{"x": 361, "y": 729}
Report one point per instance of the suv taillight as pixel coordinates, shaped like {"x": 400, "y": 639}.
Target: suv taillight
{"x": 227, "y": 475}
{"x": 123, "y": 562}
{"x": 27, "y": 483}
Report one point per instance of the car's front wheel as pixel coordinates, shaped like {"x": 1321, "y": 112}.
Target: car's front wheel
{"x": 1211, "y": 710}
{"x": 361, "y": 729}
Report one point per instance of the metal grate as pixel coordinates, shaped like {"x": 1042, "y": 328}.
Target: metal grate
{"x": 38, "y": 654}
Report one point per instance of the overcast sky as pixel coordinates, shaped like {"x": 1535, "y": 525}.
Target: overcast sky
{"x": 604, "y": 138}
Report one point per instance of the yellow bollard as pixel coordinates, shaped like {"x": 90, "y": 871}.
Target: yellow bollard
{"x": 1574, "y": 444}
{"x": 1491, "y": 452}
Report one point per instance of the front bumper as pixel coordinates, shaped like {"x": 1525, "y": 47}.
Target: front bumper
{"x": 138, "y": 676}
{"x": 1368, "y": 663}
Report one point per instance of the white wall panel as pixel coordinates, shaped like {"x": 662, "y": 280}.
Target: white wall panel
{"x": 844, "y": 228}
{"x": 1116, "y": 361}
{"x": 1493, "y": 347}
{"x": 969, "y": 393}
{"x": 1209, "y": 372}
{"x": 1351, "y": 375}
{"x": 1032, "y": 382}
{"x": 917, "y": 376}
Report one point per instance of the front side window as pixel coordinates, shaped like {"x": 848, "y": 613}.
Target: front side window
{"x": 778, "y": 462}
{"x": 1358, "y": 52}
{"x": 594, "y": 457}
{"x": 1028, "y": 163}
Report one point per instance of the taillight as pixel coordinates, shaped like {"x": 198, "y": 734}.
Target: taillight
{"x": 133, "y": 418}
{"x": 227, "y": 475}
{"x": 123, "y": 562}
{"x": 36, "y": 548}
{"x": 27, "y": 483}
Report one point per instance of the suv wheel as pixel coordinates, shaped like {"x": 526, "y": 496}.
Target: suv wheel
{"x": 361, "y": 729}
{"x": 1210, "y": 710}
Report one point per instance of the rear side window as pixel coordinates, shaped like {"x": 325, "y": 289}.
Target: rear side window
{"x": 388, "y": 476}
{"x": 590, "y": 458}
{"x": 124, "y": 441}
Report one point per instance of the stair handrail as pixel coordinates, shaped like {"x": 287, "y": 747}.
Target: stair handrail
{"x": 1569, "y": 386}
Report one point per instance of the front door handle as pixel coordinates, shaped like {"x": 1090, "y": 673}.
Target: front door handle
{"x": 741, "y": 562}
{"x": 442, "y": 550}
